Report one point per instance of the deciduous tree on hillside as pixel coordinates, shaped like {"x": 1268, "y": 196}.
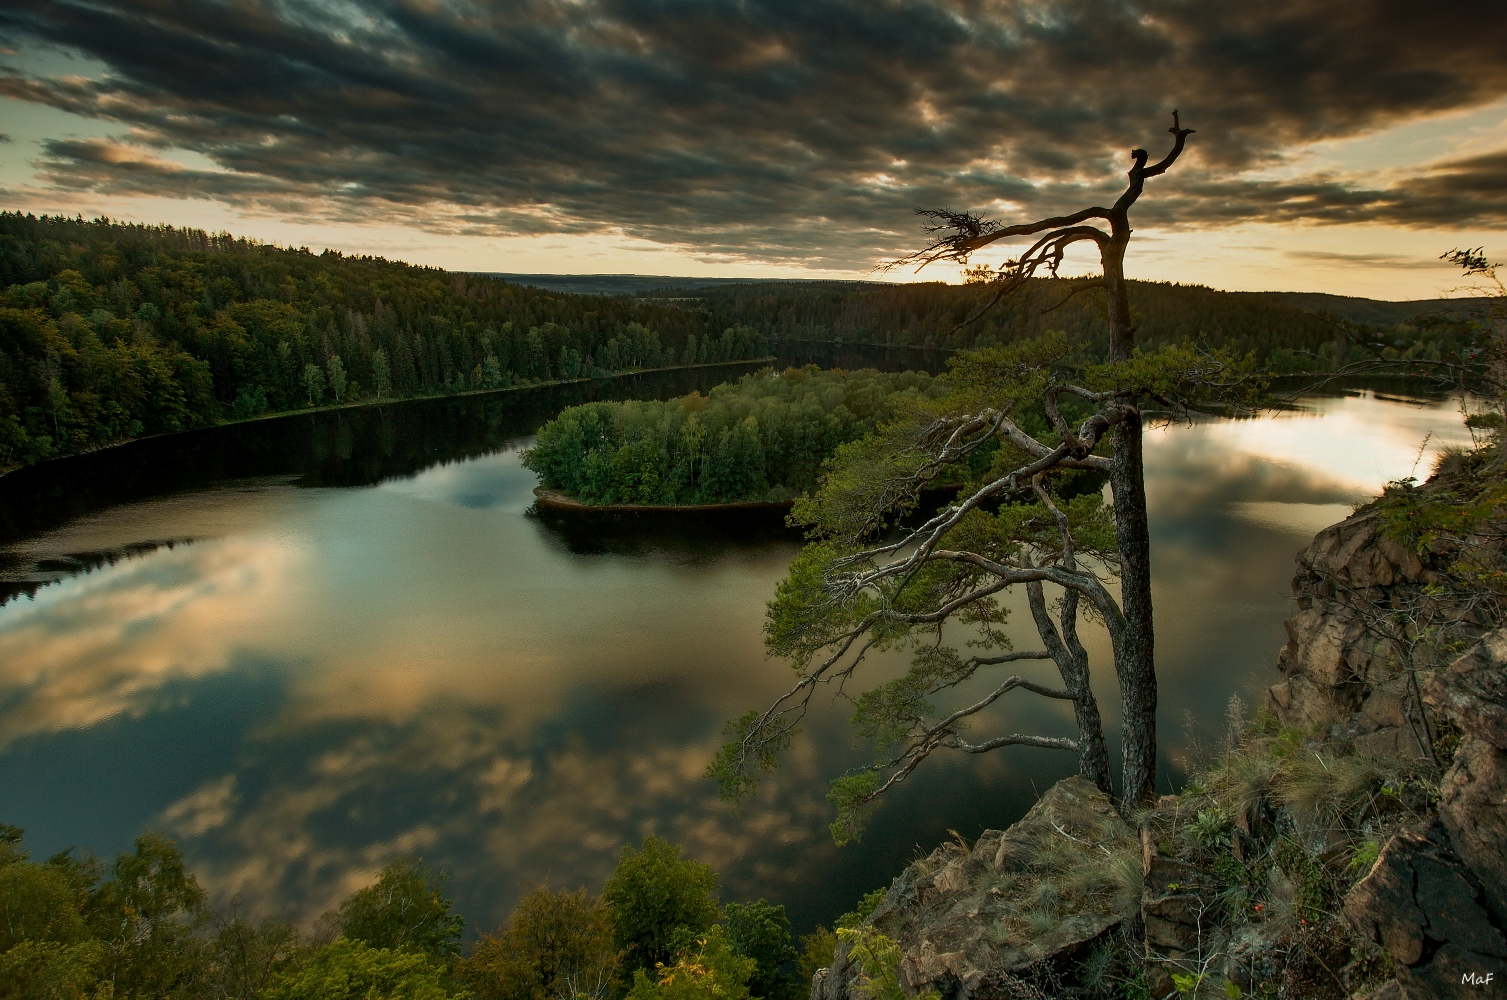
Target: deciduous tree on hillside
{"x": 1030, "y": 424}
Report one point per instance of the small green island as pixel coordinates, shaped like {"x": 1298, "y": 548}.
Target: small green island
{"x": 760, "y": 440}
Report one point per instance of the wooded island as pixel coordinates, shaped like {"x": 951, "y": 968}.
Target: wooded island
{"x": 762, "y": 439}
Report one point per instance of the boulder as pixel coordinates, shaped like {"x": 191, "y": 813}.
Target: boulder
{"x": 1472, "y": 691}
{"x": 960, "y": 916}
{"x": 1353, "y": 556}
{"x": 1419, "y": 903}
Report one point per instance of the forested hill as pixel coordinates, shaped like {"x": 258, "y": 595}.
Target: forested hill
{"x": 111, "y": 331}
{"x": 1289, "y": 331}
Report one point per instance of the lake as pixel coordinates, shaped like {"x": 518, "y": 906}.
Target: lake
{"x": 307, "y": 645}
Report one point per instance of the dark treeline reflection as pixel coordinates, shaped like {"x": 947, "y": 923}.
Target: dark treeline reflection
{"x": 697, "y": 539}
{"x": 351, "y": 447}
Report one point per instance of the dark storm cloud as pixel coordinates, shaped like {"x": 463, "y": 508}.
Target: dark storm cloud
{"x": 771, "y": 130}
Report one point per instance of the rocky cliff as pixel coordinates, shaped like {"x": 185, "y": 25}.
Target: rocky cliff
{"x": 1352, "y": 844}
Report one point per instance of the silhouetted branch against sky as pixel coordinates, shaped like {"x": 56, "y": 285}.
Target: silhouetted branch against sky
{"x": 776, "y": 132}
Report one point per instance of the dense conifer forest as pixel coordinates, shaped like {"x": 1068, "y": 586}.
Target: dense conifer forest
{"x": 1282, "y": 335}
{"x": 111, "y": 331}
{"x": 761, "y": 439}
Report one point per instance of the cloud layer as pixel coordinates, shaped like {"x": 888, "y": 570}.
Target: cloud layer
{"x": 759, "y": 130}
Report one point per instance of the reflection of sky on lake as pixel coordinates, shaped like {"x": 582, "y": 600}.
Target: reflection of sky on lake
{"x": 331, "y": 677}
{"x": 1232, "y": 501}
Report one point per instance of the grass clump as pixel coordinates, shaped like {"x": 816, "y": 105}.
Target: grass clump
{"x": 1278, "y": 827}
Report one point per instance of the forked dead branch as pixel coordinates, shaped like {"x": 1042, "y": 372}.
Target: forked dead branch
{"x": 1029, "y": 432}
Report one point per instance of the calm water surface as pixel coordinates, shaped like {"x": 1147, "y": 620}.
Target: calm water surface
{"x": 361, "y": 643}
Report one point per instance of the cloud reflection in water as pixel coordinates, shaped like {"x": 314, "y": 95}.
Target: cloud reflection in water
{"x": 447, "y": 676}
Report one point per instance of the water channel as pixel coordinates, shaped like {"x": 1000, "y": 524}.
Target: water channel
{"x": 307, "y": 645}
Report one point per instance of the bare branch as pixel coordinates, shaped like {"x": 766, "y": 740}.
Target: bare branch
{"x": 1179, "y": 139}
{"x": 1084, "y": 583}
{"x": 944, "y": 734}
{"x": 966, "y": 233}
{"x": 1068, "y": 560}
{"x": 1017, "y": 740}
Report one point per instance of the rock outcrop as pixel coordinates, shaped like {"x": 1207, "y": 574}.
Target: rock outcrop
{"x": 1421, "y": 904}
{"x": 1013, "y": 916}
{"x": 1337, "y": 665}
{"x": 1471, "y": 694}
{"x": 1436, "y": 898}
{"x": 977, "y": 923}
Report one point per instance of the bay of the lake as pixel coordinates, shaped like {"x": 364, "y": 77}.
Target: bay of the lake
{"x": 361, "y": 642}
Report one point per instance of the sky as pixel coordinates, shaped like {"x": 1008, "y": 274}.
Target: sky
{"x": 1340, "y": 146}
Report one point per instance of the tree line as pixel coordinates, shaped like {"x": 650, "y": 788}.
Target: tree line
{"x": 79, "y": 928}
{"x": 1283, "y": 337}
{"x": 762, "y": 438}
{"x": 111, "y": 331}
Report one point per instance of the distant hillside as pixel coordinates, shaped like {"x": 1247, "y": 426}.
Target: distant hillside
{"x": 1352, "y": 308}
{"x": 1359, "y": 310}
{"x": 111, "y": 331}
{"x": 634, "y": 284}
{"x": 1289, "y": 331}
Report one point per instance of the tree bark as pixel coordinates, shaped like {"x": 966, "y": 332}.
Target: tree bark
{"x": 1137, "y": 661}
{"x": 1072, "y": 663}
{"x": 1127, "y": 481}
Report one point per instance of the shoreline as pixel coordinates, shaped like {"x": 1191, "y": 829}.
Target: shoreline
{"x": 554, "y": 500}
{"x": 283, "y": 414}
{"x": 546, "y": 499}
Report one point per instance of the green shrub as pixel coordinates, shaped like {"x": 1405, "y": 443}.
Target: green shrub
{"x": 553, "y": 944}
{"x": 1211, "y": 828}
{"x": 405, "y": 910}
{"x": 712, "y": 971}
{"x": 876, "y": 960}
{"x": 659, "y": 902}
{"x": 354, "y": 970}
{"x": 761, "y": 931}
{"x": 817, "y": 951}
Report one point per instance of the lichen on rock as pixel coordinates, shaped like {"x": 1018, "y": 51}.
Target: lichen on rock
{"x": 990, "y": 920}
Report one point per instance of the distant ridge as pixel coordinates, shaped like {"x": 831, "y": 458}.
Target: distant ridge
{"x": 1359, "y": 310}
{"x": 1353, "y": 308}
{"x": 632, "y": 284}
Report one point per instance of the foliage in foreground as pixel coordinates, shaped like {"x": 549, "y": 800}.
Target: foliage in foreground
{"x": 762, "y": 438}
{"x": 554, "y": 944}
{"x": 712, "y": 969}
{"x": 81, "y": 929}
{"x": 353, "y": 970}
